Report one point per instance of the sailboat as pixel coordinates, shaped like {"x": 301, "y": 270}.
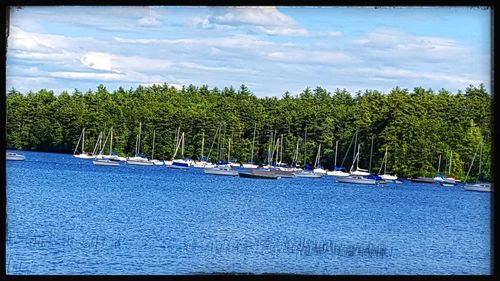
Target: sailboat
{"x": 477, "y": 186}
{"x": 82, "y": 154}
{"x": 357, "y": 171}
{"x": 180, "y": 163}
{"x": 338, "y": 171}
{"x": 385, "y": 176}
{"x": 155, "y": 161}
{"x": 137, "y": 159}
{"x": 306, "y": 173}
{"x": 202, "y": 163}
{"x": 449, "y": 181}
{"x": 100, "y": 159}
{"x": 250, "y": 164}
{"x": 317, "y": 166}
{"x": 222, "y": 168}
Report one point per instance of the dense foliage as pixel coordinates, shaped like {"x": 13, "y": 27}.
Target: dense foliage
{"x": 416, "y": 126}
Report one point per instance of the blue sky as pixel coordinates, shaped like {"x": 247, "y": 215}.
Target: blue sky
{"x": 269, "y": 49}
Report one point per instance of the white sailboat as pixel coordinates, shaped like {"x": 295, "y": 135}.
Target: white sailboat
{"x": 137, "y": 159}
{"x": 180, "y": 163}
{"x": 202, "y": 163}
{"x": 385, "y": 176}
{"x": 357, "y": 171}
{"x": 100, "y": 159}
{"x": 156, "y": 162}
{"x": 223, "y": 169}
{"x": 477, "y": 186}
{"x": 449, "y": 181}
{"x": 317, "y": 166}
{"x": 82, "y": 154}
{"x": 305, "y": 173}
{"x": 250, "y": 164}
{"x": 338, "y": 171}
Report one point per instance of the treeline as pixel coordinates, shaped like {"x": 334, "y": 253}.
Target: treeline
{"x": 416, "y": 126}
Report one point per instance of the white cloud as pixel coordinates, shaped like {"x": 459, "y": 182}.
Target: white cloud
{"x": 149, "y": 22}
{"x": 318, "y": 57}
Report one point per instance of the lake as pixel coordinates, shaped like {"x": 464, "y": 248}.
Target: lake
{"x": 67, "y": 216}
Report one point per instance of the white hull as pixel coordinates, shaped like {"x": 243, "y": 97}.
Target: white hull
{"x": 389, "y": 177}
{"x": 203, "y": 164}
{"x": 15, "y": 157}
{"x": 105, "y": 162}
{"x": 320, "y": 171}
{"x": 250, "y": 166}
{"x": 140, "y": 161}
{"x": 168, "y": 162}
{"x": 221, "y": 171}
{"x": 359, "y": 173}
{"x": 483, "y": 187}
{"x": 111, "y": 157}
{"x": 84, "y": 156}
{"x": 356, "y": 180}
{"x": 235, "y": 165}
{"x": 157, "y": 162}
{"x": 306, "y": 175}
{"x": 337, "y": 173}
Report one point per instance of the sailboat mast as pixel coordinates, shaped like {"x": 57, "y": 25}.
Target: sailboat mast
{"x": 354, "y": 151}
{"x": 202, "y": 144}
{"x": 228, "y": 150}
{"x": 336, "y": 146}
{"x": 111, "y": 143}
{"x": 253, "y": 141}
{"x": 439, "y": 163}
{"x": 182, "y": 148}
{"x": 385, "y": 163}
{"x": 451, "y": 158}
{"x": 480, "y": 157}
{"x": 371, "y": 154}
{"x": 357, "y": 157}
{"x": 83, "y": 141}
{"x": 153, "y": 152}
{"x": 281, "y": 149}
{"x": 139, "y": 139}
{"x": 305, "y": 147}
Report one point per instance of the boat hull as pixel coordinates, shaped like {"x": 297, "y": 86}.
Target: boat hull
{"x": 259, "y": 175}
{"x": 481, "y": 187}
{"x": 139, "y": 163}
{"x": 337, "y": 174}
{"x": 356, "y": 180}
{"x": 15, "y": 157}
{"x": 389, "y": 177}
{"x": 106, "y": 163}
{"x": 423, "y": 180}
{"x": 220, "y": 172}
{"x": 84, "y": 156}
{"x": 307, "y": 175}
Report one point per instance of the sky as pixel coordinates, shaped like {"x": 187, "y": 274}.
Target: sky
{"x": 269, "y": 49}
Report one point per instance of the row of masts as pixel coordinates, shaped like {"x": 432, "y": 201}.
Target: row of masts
{"x": 274, "y": 155}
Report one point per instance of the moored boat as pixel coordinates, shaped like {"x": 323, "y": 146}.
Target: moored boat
{"x": 356, "y": 180}
{"x": 423, "y": 180}
{"x": 258, "y": 174}
{"x": 306, "y": 174}
{"x": 106, "y": 162}
{"x": 221, "y": 170}
{"x": 479, "y": 186}
{"x": 14, "y": 156}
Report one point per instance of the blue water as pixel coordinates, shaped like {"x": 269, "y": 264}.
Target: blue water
{"x": 66, "y": 216}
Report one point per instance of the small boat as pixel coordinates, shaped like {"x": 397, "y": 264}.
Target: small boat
{"x": 202, "y": 164}
{"x": 282, "y": 172}
{"x": 14, "y": 156}
{"x": 479, "y": 186}
{"x": 357, "y": 180}
{"x": 306, "y": 174}
{"x": 180, "y": 163}
{"x": 259, "y": 174}
{"x": 106, "y": 162}
{"x": 139, "y": 161}
{"x": 221, "y": 170}
{"x": 82, "y": 154}
{"x": 423, "y": 180}
{"x": 338, "y": 172}
{"x": 448, "y": 182}
{"x": 249, "y": 166}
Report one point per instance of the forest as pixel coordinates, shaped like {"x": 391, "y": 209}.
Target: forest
{"x": 418, "y": 127}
